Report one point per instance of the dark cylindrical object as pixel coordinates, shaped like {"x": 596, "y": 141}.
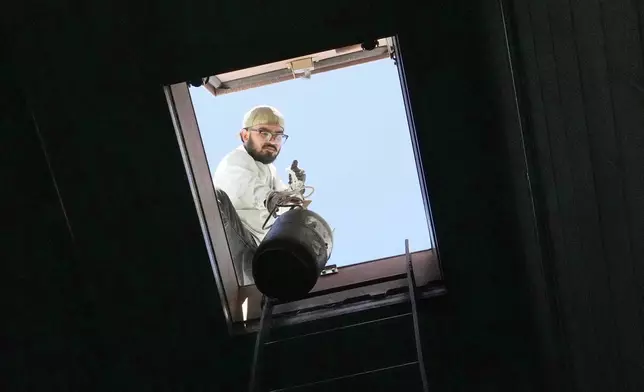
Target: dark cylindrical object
{"x": 289, "y": 260}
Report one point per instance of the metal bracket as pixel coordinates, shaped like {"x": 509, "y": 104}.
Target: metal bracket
{"x": 329, "y": 269}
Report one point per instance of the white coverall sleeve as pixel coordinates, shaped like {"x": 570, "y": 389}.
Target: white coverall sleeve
{"x": 240, "y": 184}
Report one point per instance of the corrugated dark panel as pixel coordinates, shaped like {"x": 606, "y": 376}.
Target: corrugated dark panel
{"x": 582, "y": 222}
{"x": 586, "y": 122}
{"x": 607, "y": 33}
{"x": 537, "y": 247}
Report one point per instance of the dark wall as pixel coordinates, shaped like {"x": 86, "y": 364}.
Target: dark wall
{"x": 142, "y": 310}
{"x": 457, "y": 79}
{"x": 582, "y": 74}
{"x": 41, "y": 308}
{"x": 536, "y": 216}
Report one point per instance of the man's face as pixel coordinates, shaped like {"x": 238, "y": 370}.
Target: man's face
{"x": 263, "y": 142}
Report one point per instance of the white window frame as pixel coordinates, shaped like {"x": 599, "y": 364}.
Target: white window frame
{"x": 372, "y": 280}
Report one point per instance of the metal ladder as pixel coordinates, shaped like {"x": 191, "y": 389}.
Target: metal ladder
{"x": 265, "y": 324}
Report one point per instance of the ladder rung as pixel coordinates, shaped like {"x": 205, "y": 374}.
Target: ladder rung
{"x": 329, "y": 380}
{"x": 265, "y": 324}
{"x": 333, "y": 290}
{"x": 339, "y": 328}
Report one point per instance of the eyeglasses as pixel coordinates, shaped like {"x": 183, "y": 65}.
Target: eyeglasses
{"x": 268, "y": 135}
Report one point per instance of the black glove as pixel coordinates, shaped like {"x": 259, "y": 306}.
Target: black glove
{"x": 299, "y": 173}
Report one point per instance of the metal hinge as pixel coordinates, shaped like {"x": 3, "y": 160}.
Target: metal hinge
{"x": 329, "y": 269}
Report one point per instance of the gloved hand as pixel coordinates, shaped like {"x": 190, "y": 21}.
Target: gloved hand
{"x": 299, "y": 173}
{"x": 277, "y": 198}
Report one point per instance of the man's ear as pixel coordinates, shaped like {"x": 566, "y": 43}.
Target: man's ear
{"x": 243, "y": 135}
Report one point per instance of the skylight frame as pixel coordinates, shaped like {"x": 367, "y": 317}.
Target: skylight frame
{"x": 371, "y": 280}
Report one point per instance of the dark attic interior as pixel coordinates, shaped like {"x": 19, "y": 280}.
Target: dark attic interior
{"x": 527, "y": 125}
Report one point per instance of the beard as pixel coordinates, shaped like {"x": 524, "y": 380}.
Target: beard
{"x": 261, "y": 154}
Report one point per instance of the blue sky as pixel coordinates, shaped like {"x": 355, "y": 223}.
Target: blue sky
{"x": 348, "y": 130}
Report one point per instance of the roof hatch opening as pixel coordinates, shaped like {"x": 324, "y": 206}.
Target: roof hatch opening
{"x": 341, "y": 115}
{"x": 347, "y": 127}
